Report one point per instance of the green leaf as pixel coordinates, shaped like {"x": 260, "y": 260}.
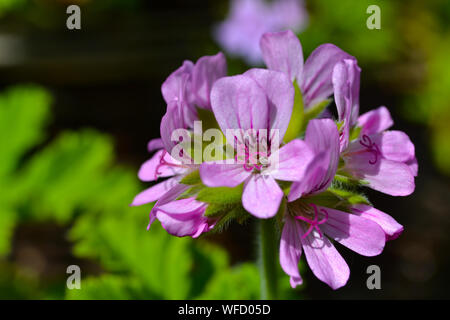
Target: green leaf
{"x": 351, "y": 197}
{"x": 7, "y": 223}
{"x": 74, "y": 172}
{"x": 160, "y": 261}
{"x": 240, "y": 282}
{"x": 24, "y": 112}
{"x": 345, "y": 180}
{"x": 326, "y": 199}
{"x": 354, "y": 133}
{"x": 294, "y": 129}
{"x": 315, "y": 111}
{"x": 221, "y": 195}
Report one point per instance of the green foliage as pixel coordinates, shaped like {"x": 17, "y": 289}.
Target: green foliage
{"x": 9, "y": 5}
{"x": 23, "y": 113}
{"x": 221, "y": 195}
{"x": 315, "y": 111}
{"x": 338, "y": 198}
{"x": 297, "y": 119}
{"x": 354, "y": 133}
{"x": 343, "y": 23}
{"x": 350, "y": 196}
{"x": 192, "y": 178}
{"x": 225, "y": 204}
{"x": 300, "y": 117}
{"x": 146, "y": 265}
{"x": 241, "y": 282}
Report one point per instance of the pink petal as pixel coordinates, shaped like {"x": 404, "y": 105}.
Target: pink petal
{"x": 280, "y": 94}
{"x": 155, "y": 144}
{"x": 413, "y": 166}
{"x": 167, "y": 197}
{"x": 154, "y": 192}
{"x": 205, "y": 73}
{"x": 356, "y": 233}
{"x": 238, "y": 102}
{"x": 387, "y": 176}
{"x": 375, "y": 121}
{"x": 313, "y": 180}
{"x": 178, "y": 94}
{"x": 153, "y": 169}
{"x": 391, "y": 228}
{"x": 395, "y": 145}
{"x": 172, "y": 120}
{"x": 324, "y": 260}
{"x": 291, "y": 14}
{"x": 174, "y": 86}
{"x": 316, "y": 83}
{"x": 183, "y": 217}
{"x": 262, "y": 196}
{"x": 291, "y": 251}
{"x": 222, "y": 174}
{"x": 172, "y": 193}
{"x": 282, "y": 51}
{"x": 293, "y": 159}
{"x": 322, "y": 136}
{"x": 345, "y": 80}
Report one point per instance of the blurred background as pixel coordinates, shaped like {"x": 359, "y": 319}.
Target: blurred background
{"x": 77, "y": 108}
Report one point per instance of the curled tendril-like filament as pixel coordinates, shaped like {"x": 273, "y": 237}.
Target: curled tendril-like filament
{"x": 314, "y": 223}
{"x": 371, "y": 147}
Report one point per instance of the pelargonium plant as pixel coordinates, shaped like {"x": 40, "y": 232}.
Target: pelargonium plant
{"x": 262, "y": 145}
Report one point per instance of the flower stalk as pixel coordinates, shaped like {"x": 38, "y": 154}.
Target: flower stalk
{"x": 268, "y": 259}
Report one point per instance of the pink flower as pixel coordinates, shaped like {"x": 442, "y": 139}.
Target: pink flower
{"x": 161, "y": 165}
{"x": 384, "y": 160}
{"x": 248, "y": 20}
{"x": 282, "y": 51}
{"x": 309, "y": 227}
{"x": 258, "y": 99}
{"x": 185, "y": 89}
{"x": 184, "y": 217}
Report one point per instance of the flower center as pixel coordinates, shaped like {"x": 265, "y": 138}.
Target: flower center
{"x": 252, "y": 155}
{"x": 312, "y": 218}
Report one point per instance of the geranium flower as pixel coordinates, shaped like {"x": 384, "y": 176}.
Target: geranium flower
{"x": 282, "y": 51}
{"x": 185, "y": 89}
{"x": 248, "y": 20}
{"x": 309, "y": 227}
{"x": 383, "y": 160}
{"x": 184, "y": 217}
{"x": 258, "y": 99}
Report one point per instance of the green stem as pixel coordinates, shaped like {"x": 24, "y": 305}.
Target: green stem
{"x": 268, "y": 259}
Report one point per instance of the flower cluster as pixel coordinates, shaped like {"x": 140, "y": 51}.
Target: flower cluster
{"x": 308, "y": 176}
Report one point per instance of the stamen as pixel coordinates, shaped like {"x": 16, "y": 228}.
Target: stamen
{"x": 251, "y": 159}
{"x": 371, "y": 147}
{"x": 163, "y": 162}
{"x": 314, "y": 224}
